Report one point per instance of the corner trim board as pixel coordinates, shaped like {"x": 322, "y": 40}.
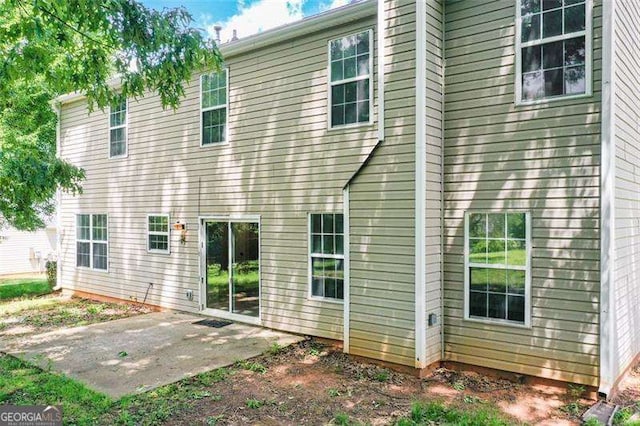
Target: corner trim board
{"x": 347, "y": 275}
{"x": 59, "y": 231}
{"x": 420, "y": 184}
{"x": 607, "y": 203}
{"x": 380, "y": 52}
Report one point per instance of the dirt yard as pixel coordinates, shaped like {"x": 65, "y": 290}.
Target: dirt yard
{"x": 305, "y": 384}
{"x": 312, "y": 384}
{"x": 50, "y": 312}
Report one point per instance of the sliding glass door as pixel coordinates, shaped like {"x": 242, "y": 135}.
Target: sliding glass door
{"x": 232, "y": 266}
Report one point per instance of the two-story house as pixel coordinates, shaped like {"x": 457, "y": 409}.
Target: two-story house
{"x": 426, "y": 181}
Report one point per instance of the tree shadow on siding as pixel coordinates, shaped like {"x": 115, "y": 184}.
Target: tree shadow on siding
{"x": 543, "y": 159}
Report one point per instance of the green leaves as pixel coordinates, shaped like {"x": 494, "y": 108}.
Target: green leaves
{"x": 52, "y": 47}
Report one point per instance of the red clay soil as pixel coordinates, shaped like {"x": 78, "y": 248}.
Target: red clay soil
{"x": 629, "y": 390}
{"x": 309, "y": 384}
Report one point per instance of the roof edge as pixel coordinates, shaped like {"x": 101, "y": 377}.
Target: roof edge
{"x": 331, "y": 18}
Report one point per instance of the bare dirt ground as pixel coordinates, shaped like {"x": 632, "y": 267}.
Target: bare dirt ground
{"x": 312, "y": 384}
{"x": 628, "y": 397}
{"x": 53, "y": 311}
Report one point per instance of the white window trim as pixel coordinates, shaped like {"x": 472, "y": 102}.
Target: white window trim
{"x": 226, "y": 105}
{"x": 167, "y": 234}
{"x": 310, "y": 257}
{"x": 330, "y": 83}
{"x": 526, "y": 268}
{"x": 126, "y": 132}
{"x": 91, "y": 241}
{"x": 588, "y": 35}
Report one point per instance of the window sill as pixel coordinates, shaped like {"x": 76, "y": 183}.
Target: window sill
{"x": 498, "y": 322}
{"x": 326, "y": 299}
{"x": 86, "y": 268}
{"x": 553, "y": 100}
{"x": 165, "y": 252}
{"x": 351, "y": 126}
{"x": 119, "y": 157}
{"x": 215, "y": 144}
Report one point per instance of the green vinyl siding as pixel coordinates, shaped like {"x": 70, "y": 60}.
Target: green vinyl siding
{"x": 280, "y": 163}
{"x": 543, "y": 159}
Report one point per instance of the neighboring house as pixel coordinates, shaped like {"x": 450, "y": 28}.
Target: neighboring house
{"x": 426, "y": 182}
{"x": 26, "y": 252}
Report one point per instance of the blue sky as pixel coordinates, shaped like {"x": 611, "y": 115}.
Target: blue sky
{"x": 246, "y": 16}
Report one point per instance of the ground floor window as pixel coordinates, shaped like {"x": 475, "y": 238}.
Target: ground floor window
{"x": 497, "y": 264}
{"x": 326, "y": 255}
{"x": 158, "y": 233}
{"x": 92, "y": 249}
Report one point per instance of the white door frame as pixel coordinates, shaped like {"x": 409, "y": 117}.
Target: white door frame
{"x": 202, "y": 220}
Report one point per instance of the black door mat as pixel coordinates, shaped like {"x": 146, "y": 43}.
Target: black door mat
{"x": 213, "y": 323}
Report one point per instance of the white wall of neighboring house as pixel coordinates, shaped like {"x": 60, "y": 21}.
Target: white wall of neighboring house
{"x": 24, "y": 252}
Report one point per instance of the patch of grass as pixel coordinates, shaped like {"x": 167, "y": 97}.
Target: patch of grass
{"x": 472, "y": 399}
{"x": 213, "y": 420}
{"x": 95, "y": 309}
{"x": 254, "y": 403}
{"x": 573, "y": 408}
{"x": 256, "y": 367}
{"x": 575, "y": 391}
{"x": 17, "y": 306}
{"x": 275, "y": 349}
{"x": 16, "y": 288}
{"x": 342, "y": 419}
{"x": 623, "y": 416}
{"x": 63, "y": 312}
{"x": 24, "y": 384}
{"x": 459, "y": 385}
{"x": 436, "y": 413}
{"x": 592, "y": 421}
{"x": 382, "y": 376}
{"x": 333, "y": 392}
{"x": 209, "y": 378}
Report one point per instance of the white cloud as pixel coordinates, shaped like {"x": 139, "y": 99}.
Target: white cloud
{"x": 263, "y": 15}
{"x": 257, "y": 17}
{"x": 332, "y": 4}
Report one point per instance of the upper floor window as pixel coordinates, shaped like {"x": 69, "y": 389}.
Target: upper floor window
{"x": 327, "y": 255}
{"x": 553, "y": 49}
{"x": 351, "y": 88}
{"x": 158, "y": 233}
{"x": 92, "y": 244}
{"x": 213, "y": 107}
{"x": 118, "y": 128}
{"x": 497, "y": 271}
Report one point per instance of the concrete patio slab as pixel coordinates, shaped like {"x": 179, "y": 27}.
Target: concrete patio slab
{"x": 161, "y": 348}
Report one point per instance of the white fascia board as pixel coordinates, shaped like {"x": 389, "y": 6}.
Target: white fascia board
{"x": 332, "y": 18}
{"x": 420, "y": 184}
{"x": 607, "y": 205}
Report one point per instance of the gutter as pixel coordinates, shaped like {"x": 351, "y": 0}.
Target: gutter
{"x": 607, "y": 330}
{"x": 322, "y": 21}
